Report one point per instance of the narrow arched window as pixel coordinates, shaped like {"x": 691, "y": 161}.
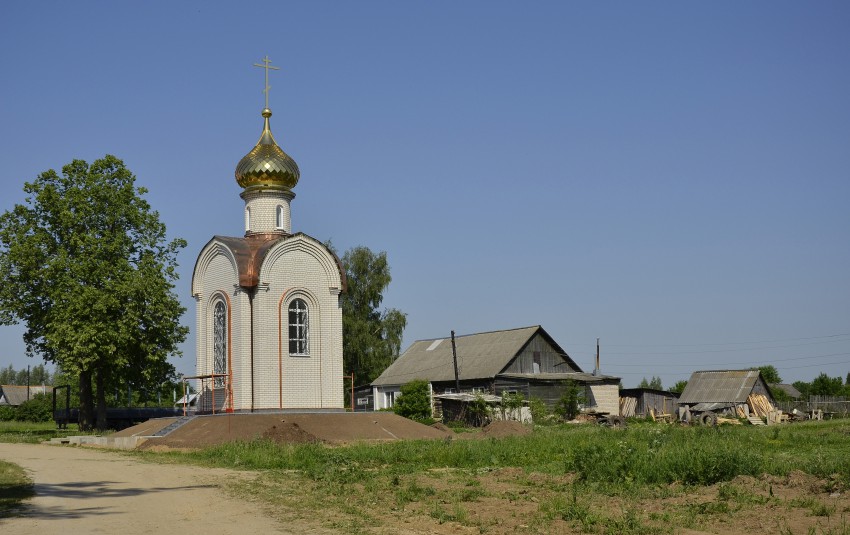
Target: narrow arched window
{"x": 299, "y": 328}
{"x": 219, "y": 341}
{"x": 247, "y": 219}
{"x": 279, "y": 217}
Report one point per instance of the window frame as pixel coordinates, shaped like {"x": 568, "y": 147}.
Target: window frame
{"x": 298, "y": 328}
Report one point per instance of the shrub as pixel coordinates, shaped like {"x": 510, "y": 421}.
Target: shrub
{"x": 567, "y": 407}
{"x": 414, "y": 401}
{"x": 37, "y": 409}
{"x": 539, "y": 412}
{"x": 7, "y": 413}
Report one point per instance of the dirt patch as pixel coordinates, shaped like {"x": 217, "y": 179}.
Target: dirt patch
{"x": 289, "y": 433}
{"x": 329, "y": 428}
{"x": 504, "y": 428}
{"x": 443, "y": 427}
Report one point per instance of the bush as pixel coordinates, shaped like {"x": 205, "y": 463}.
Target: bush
{"x": 7, "y": 413}
{"x": 567, "y": 407}
{"x": 37, "y": 409}
{"x": 539, "y": 411}
{"x": 414, "y": 401}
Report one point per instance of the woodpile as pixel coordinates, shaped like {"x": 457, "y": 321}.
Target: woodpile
{"x": 759, "y": 405}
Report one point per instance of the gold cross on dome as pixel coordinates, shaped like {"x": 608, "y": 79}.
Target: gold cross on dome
{"x": 266, "y": 65}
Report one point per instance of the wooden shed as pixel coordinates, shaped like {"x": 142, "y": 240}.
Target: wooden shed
{"x": 642, "y": 402}
{"x": 736, "y": 393}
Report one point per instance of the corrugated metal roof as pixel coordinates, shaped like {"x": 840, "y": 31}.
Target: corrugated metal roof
{"x": 728, "y": 386}
{"x": 14, "y": 395}
{"x": 479, "y": 356}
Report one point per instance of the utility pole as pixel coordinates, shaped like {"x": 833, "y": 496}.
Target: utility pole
{"x": 454, "y": 357}
{"x": 598, "y": 371}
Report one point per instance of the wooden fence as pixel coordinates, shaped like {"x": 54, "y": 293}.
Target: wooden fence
{"x": 832, "y": 406}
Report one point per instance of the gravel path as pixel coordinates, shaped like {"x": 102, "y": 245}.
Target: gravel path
{"x": 81, "y": 490}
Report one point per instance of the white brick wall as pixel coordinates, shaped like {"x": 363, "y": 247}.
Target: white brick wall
{"x": 606, "y": 398}
{"x": 263, "y": 206}
{"x": 298, "y": 266}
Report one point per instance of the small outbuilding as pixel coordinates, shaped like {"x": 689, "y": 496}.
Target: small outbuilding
{"x": 643, "y": 402}
{"x": 734, "y": 393}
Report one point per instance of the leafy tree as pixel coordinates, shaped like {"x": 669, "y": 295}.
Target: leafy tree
{"x": 35, "y": 375}
{"x": 414, "y": 401}
{"x": 769, "y": 374}
{"x": 88, "y": 269}
{"x": 7, "y": 375}
{"x": 371, "y": 338}
{"x": 824, "y": 385}
{"x": 654, "y": 383}
{"x": 803, "y": 387}
{"x": 679, "y": 387}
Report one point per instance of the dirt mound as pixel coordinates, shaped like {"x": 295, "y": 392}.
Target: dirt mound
{"x": 443, "y": 427}
{"x": 289, "y": 434}
{"x": 331, "y": 428}
{"x": 505, "y": 428}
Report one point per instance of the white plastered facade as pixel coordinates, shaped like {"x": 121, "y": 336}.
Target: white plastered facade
{"x": 255, "y": 280}
{"x": 294, "y": 267}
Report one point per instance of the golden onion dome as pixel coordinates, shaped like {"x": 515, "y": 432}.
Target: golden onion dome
{"x": 267, "y": 165}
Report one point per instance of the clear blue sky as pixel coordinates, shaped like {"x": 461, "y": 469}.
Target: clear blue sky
{"x": 673, "y": 178}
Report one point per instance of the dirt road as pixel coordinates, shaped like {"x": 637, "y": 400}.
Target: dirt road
{"x": 91, "y": 491}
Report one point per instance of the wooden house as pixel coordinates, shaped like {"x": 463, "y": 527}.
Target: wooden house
{"x": 524, "y": 361}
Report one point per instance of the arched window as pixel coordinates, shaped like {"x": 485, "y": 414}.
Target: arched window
{"x": 219, "y": 341}
{"x": 279, "y": 217}
{"x": 299, "y": 328}
{"x": 247, "y": 219}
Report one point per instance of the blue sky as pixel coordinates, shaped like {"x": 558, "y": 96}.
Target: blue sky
{"x": 672, "y": 178}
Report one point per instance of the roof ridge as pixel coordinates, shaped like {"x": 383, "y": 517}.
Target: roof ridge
{"x": 476, "y": 334}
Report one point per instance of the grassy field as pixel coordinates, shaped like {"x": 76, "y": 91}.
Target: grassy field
{"x": 646, "y": 479}
{"x": 33, "y": 433}
{"x": 15, "y": 487}
{"x": 649, "y": 478}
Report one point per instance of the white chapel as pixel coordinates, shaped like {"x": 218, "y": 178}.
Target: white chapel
{"x": 269, "y": 318}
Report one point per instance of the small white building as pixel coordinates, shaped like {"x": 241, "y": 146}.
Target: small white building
{"x": 269, "y": 318}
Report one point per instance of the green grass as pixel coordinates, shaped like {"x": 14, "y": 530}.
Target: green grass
{"x": 33, "y": 433}
{"x": 15, "y": 487}
{"x": 559, "y": 473}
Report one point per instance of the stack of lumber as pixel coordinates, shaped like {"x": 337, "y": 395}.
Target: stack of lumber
{"x": 740, "y": 411}
{"x": 627, "y": 406}
{"x": 759, "y": 405}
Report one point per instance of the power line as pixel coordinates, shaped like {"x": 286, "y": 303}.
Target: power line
{"x": 732, "y": 343}
{"x": 735, "y": 363}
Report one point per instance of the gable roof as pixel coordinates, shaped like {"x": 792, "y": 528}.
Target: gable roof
{"x": 726, "y": 386}
{"x": 791, "y": 390}
{"x": 480, "y": 356}
{"x": 14, "y": 395}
